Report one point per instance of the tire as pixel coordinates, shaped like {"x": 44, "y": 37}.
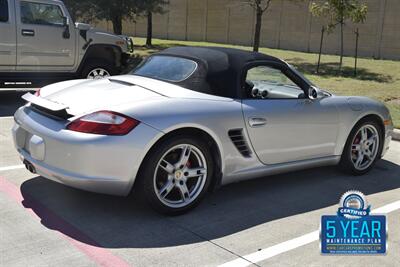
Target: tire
{"x": 163, "y": 185}
{"x": 356, "y": 146}
{"x": 98, "y": 64}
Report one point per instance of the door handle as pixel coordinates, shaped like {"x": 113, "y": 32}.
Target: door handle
{"x": 256, "y": 122}
{"x": 26, "y": 32}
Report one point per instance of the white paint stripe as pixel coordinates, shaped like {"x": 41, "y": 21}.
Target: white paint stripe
{"x": 294, "y": 243}
{"x": 7, "y": 117}
{"x": 387, "y": 208}
{"x": 12, "y": 167}
{"x": 273, "y": 251}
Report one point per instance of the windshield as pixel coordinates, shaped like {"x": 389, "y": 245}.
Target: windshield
{"x": 169, "y": 68}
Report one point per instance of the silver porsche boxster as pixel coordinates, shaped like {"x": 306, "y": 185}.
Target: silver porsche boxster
{"x": 189, "y": 119}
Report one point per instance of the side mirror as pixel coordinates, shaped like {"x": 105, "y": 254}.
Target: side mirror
{"x": 65, "y": 21}
{"x": 312, "y": 93}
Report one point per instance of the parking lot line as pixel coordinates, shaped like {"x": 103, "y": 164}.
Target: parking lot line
{"x": 294, "y": 243}
{"x": 387, "y": 208}
{"x": 99, "y": 255}
{"x": 8, "y": 168}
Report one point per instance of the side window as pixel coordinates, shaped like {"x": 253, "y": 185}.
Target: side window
{"x": 3, "y": 10}
{"x": 265, "y": 82}
{"x": 41, "y": 14}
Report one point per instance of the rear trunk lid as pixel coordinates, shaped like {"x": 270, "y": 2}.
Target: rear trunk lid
{"x": 79, "y": 97}
{"x": 91, "y": 95}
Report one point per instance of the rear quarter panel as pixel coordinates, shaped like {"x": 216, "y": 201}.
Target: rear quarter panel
{"x": 214, "y": 117}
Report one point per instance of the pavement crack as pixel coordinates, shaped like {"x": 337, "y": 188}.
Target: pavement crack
{"x": 212, "y": 242}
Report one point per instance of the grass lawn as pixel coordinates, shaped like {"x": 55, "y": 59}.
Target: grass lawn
{"x": 379, "y": 79}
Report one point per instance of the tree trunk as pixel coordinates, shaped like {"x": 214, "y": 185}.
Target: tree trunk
{"x": 149, "y": 29}
{"x": 257, "y": 31}
{"x": 117, "y": 24}
{"x": 341, "y": 46}
{"x": 320, "y": 48}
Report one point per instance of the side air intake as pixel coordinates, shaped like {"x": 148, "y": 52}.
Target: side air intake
{"x": 240, "y": 142}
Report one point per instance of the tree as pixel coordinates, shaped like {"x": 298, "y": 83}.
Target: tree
{"x": 84, "y": 10}
{"x": 260, "y": 7}
{"x": 338, "y": 12}
{"x": 148, "y": 8}
{"x": 115, "y": 11}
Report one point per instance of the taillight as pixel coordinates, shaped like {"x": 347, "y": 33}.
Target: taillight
{"x": 37, "y": 93}
{"x": 104, "y": 122}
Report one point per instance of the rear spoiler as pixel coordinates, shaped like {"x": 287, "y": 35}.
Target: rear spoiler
{"x": 42, "y": 102}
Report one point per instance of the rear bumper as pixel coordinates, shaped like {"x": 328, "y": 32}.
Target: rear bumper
{"x": 112, "y": 186}
{"x": 102, "y": 164}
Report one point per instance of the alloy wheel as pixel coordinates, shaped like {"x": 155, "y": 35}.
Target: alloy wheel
{"x": 364, "y": 147}
{"x": 98, "y": 73}
{"x": 180, "y": 175}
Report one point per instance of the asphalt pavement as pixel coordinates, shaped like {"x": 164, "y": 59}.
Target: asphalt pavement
{"x": 271, "y": 221}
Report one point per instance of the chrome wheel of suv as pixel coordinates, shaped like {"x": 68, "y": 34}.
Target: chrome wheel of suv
{"x": 98, "y": 73}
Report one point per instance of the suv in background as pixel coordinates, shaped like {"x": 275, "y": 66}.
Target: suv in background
{"x": 39, "y": 41}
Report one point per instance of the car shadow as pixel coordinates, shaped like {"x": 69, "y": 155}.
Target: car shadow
{"x": 117, "y": 222}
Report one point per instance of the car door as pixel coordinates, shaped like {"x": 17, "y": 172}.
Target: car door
{"x": 42, "y": 44}
{"x": 284, "y": 125}
{"x": 8, "y": 40}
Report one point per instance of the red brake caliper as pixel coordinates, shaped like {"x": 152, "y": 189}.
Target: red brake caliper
{"x": 356, "y": 142}
{"x": 188, "y": 164}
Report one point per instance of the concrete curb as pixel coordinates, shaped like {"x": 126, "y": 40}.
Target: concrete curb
{"x": 396, "y": 135}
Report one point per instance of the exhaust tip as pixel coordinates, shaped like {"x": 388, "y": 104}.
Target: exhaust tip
{"x": 29, "y": 166}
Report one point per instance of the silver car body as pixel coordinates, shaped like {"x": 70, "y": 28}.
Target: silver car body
{"x": 298, "y": 133}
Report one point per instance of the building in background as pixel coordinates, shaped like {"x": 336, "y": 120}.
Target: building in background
{"x": 287, "y": 25}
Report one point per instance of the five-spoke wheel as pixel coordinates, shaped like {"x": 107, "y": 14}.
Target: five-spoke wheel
{"x": 362, "y": 148}
{"x": 176, "y": 174}
{"x": 180, "y": 175}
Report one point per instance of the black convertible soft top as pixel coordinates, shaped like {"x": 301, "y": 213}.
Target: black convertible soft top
{"x": 219, "y": 68}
